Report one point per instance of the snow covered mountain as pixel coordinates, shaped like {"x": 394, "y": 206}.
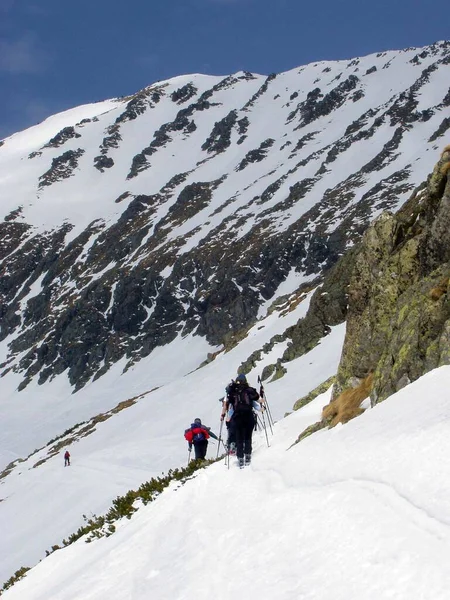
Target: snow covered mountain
{"x": 183, "y": 208}
{"x": 186, "y": 226}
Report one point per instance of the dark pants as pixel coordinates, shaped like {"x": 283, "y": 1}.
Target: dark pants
{"x": 200, "y": 448}
{"x": 244, "y": 423}
{"x": 231, "y": 432}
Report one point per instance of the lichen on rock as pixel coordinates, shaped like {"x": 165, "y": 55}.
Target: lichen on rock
{"x": 399, "y": 307}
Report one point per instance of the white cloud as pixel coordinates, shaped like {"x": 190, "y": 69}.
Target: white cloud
{"x": 22, "y": 55}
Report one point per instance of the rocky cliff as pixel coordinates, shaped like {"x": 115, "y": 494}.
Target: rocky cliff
{"x": 398, "y": 317}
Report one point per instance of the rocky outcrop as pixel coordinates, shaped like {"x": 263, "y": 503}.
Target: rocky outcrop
{"x": 398, "y": 320}
{"x": 62, "y": 137}
{"x": 62, "y": 167}
{"x": 184, "y": 93}
{"x": 220, "y": 137}
{"x": 256, "y": 155}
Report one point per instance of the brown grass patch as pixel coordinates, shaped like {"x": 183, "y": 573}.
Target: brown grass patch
{"x": 445, "y": 168}
{"x": 441, "y": 289}
{"x": 292, "y": 305}
{"x": 446, "y": 149}
{"x": 347, "y": 405}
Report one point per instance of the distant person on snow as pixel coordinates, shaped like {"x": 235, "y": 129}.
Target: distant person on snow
{"x": 197, "y": 435}
{"x": 243, "y": 399}
{"x": 67, "y": 458}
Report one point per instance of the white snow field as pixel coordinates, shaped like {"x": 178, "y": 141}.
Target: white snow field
{"x": 359, "y": 511}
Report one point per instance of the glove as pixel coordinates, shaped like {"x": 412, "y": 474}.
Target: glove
{"x": 222, "y": 417}
{"x": 190, "y": 447}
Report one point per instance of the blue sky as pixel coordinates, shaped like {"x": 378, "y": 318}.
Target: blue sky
{"x": 55, "y": 54}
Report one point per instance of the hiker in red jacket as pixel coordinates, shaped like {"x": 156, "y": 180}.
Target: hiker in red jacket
{"x": 67, "y": 458}
{"x": 197, "y": 435}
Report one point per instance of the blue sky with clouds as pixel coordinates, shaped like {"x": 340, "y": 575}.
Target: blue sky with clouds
{"x": 55, "y": 54}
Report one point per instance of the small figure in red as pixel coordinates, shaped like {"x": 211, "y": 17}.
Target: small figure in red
{"x": 67, "y": 458}
{"x": 197, "y": 435}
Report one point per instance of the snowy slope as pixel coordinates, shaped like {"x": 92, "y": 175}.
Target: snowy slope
{"x": 360, "y": 511}
{"x": 137, "y": 443}
{"x": 118, "y": 280}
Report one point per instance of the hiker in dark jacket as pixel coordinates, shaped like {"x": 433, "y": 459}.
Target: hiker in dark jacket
{"x": 243, "y": 399}
{"x": 197, "y": 435}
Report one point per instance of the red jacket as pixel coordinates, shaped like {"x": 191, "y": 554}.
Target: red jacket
{"x": 189, "y": 434}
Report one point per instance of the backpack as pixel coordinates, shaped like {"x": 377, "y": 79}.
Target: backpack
{"x": 198, "y": 437}
{"x": 198, "y": 433}
{"x": 243, "y": 400}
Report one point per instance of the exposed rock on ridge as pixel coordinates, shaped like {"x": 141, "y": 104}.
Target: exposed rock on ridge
{"x": 398, "y": 320}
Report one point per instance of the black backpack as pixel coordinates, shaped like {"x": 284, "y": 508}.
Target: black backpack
{"x": 243, "y": 399}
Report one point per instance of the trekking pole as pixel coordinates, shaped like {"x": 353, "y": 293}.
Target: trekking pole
{"x": 220, "y": 439}
{"x": 262, "y": 393}
{"x": 189, "y": 455}
{"x": 265, "y": 429}
{"x": 227, "y": 457}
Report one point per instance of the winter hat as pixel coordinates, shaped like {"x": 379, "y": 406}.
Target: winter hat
{"x": 241, "y": 378}
{"x": 197, "y": 421}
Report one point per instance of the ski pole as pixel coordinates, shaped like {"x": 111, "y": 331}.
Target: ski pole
{"x": 265, "y": 429}
{"x": 262, "y": 393}
{"x": 220, "y": 438}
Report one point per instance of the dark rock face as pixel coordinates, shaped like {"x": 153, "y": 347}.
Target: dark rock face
{"x": 191, "y": 200}
{"x": 386, "y": 155}
{"x": 256, "y": 155}
{"x": 112, "y": 140}
{"x": 443, "y": 128}
{"x": 62, "y": 167}
{"x": 182, "y": 122}
{"x": 318, "y": 105}
{"x": 184, "y": 93}
{"x": 243, "y": 125}
{"x": 103, "y": 162}
{"x": 31, "y": 257}
{"x": 139, "y": 103}
{"x": 220, "y": 137}
{"x": 262, "y": 90}
{"x": 62, "y": 137}
{"x": 328, "y": 308}
{"x": 403, "y": 111}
